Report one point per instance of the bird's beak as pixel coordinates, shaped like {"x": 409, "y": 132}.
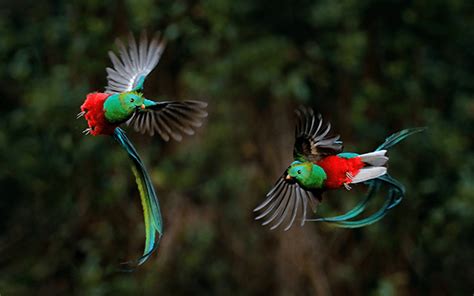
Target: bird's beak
{"x": 142, "y": 106}
{"x": 288, "y": 177}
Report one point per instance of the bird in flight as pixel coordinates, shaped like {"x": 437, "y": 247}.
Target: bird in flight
{"x": 123, "y": 102}
{"x": 320, "y": 165}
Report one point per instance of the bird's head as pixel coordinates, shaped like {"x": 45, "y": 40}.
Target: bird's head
{"x": 131, "y": 101}
{"x": 307, "y": 174}
{"x": 120, "y": 107}
{"x": 299, "y": 171}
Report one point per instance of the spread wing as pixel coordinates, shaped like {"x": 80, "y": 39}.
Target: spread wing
{"x": 133, "y": 64}
{"x": 169, "y": 118}
{"x": 285, "y": 201}
{"x": 312, "y": 140}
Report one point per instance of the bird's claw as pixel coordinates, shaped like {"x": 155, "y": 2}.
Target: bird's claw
{"x": 87, "y": 131}
{"x": 80, "y": 114}
{"x": 350, "y": 177}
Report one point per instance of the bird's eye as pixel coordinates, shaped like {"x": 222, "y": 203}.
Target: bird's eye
{"x": 132, "y": 100}
{"x": 299, "y": 172}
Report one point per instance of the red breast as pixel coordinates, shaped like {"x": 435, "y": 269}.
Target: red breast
{"x": 93, "y": 107}
{"x": 336, "y": 169}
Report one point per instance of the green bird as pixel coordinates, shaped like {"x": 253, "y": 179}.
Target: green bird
{"x": 123, "y": 102}
{"x": 320, "y": 165}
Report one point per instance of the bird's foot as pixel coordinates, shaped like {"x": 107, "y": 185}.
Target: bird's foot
{"x": 349, "y": 175}
{"x": 80, "y": 114}
{"x": 87, "y": 131}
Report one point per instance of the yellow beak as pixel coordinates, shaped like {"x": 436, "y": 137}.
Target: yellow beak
{"x": 142, "y": 106}
{"x": 288, "y": 177}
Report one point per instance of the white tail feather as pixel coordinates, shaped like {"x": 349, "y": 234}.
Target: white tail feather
{"x": 368, "y": 173}
{"x": 376, "y": 158}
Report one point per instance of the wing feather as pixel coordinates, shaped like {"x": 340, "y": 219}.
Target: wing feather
{"x": 285, "y": 201}
{"x": 133, "y": 63}
{"x": 279, "y": 185}
{"x": 295, "y": 209}
{"x": 312, "y": 140}
{"x": 281, "y": 206}
{"x": 279, "y": 199}
{"x": 305, "y": 198}
{"x": 170, "y": 119}
{"x": 287, "y": 208}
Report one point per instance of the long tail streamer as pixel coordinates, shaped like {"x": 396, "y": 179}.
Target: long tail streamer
{"x": 395, "y": 194}
{"x": 151, "y": 207}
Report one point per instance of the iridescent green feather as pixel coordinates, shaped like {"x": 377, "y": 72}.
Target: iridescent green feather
{"x": 151, "y": 208}
{"x": 356, "y": 210}
{"x": 372, "y": 218}
{"x": 120, "y": 107}
{"x": 149, "y": 227}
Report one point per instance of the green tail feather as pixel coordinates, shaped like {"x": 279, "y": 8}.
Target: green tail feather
{"x": 355, "y": 211}
{"x": 395, "y": 195}
{"x": 372, "y": 218}
{"x": 398, "y": 137}
{"x": 396, "y": 186}
{"x": 396, "y": 192}
{"x": 149, "y": 200}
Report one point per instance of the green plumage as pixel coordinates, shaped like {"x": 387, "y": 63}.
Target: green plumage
{"x": 120, "y": 107}
{"x": 348, "y": 155}
{"x": 307, "y": 174}
{"x": 151, "y": 208}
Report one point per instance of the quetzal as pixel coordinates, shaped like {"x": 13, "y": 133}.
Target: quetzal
{"x": 123, "y": 102}
{"x": 320, "y": 165}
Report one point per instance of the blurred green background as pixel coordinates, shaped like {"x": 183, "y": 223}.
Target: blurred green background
{"x": 69, "y": 207}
